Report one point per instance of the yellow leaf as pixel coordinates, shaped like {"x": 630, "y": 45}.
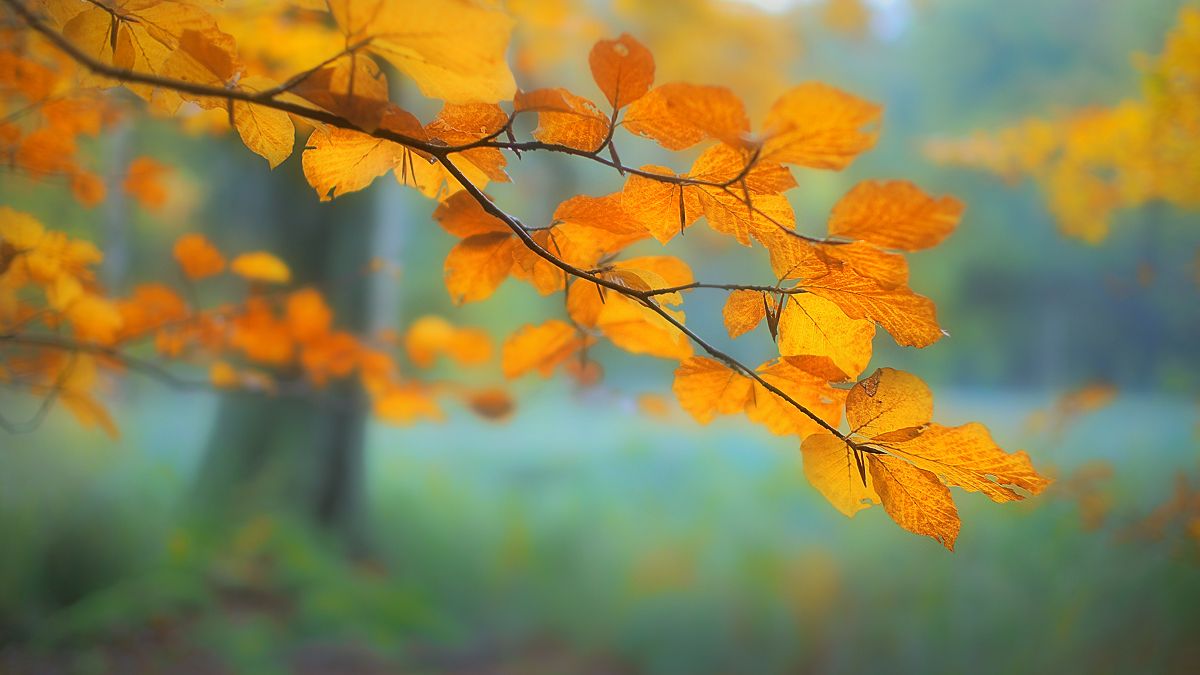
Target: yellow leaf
{"x": 656, "y": 272}
{"x": 223, "y": 376}
{"x": 967, "y": 457}
{"x": 453, "y": 49}
{"x": 888, "y": 400}
{"x": 529, "y": 266}
{"x": 830, "y": 466}
{"x": 426, "y": 338}
{"x": 623, "y": 69}
{"x": 261, "y": 266}
{"x": 639, "y": 330}
{"x": 724, "y": 163}
{"x": 764, "y": 218}
{"x": 405, "y": 404}
{"x": 894, "y": 214}
{"x": 910, "y": 318}
{"x": 818, "y": 126}
{"x": 915, "y": 499}
{"x": 811, "y": 326}
{"x": 269, "y": 133}
{"x": 337, "y": 161}
{"x": 469, "y": 346}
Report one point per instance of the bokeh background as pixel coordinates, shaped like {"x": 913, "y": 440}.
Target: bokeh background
{"x": 591, "y": 532}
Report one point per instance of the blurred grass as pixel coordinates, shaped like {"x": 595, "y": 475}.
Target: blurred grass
{"x": 636, "y": 545}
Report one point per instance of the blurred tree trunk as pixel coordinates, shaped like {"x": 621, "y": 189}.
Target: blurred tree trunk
{"x": 302, "y": 456}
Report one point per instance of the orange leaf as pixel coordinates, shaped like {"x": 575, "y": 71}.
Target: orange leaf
{"x": 462, "y": 216}
{"x": 811, "y": 391}
{"x": 910, "y": 318}
{"x": 564, "y": 118}
{"x": 639, "y": 330}
{"x": 744, "y": 310}
{"x": 663, "y": 208}
{"x": 818, "y": 126}
{"x": 198, "y": 257}
{"x": 706, "y": 388}
{"x": 724, "y": 163}
{"x": 894, "y": 214}
{"x": 541, "y": 348}
{"x": 623, "y": 69}
{"x": 967, "y": 457}
{"x": 143, "y": 182}
{"x": 491, "y": 403}
{"x": 915, "y": 499}
{"x": 680, "y": 115}
{"x": 308, "y": 316}
{"x": 477, "y": 265}
{"x": 889, "y": 269}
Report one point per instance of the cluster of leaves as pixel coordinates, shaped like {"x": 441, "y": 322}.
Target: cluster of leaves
{"x": 1094, "y": 162}
{"x": 831, "y": 291}
{"x": 60, "y": 330}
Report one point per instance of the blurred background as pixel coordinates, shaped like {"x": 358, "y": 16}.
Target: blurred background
{"x": 598, "y": 529}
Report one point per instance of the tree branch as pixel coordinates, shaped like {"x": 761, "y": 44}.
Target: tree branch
{"x": 441, "y": 153}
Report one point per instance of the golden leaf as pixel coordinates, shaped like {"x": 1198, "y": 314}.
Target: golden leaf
{"x": 679, "y": 115}
{"x": 915, "y": 499}
{"x": 966, "y": 456}
{"x": 564, "y": 118}
{"x": 261, "y": 266}
{"x": 830, "y": 466}
{"x": 818, "y": 126}
{"x": 453, "y": 49}
{"x": 894, "y": 214}
{"x": 663, "y": 208}
{"x": 744, "y": 310}
{"x": 706, "y": 388}
{"x": 811, "y": 326}
{"x": 888, "y": 400}
{"x": 910, "y": 318}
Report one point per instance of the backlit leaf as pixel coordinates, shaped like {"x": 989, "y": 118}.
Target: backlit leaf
{"x": 894, "y": 214}
{"x": 623, "y": 69}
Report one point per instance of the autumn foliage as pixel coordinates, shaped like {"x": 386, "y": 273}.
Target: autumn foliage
{"x": 69, "y": 62}
{"x": 1095, "y": 162}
